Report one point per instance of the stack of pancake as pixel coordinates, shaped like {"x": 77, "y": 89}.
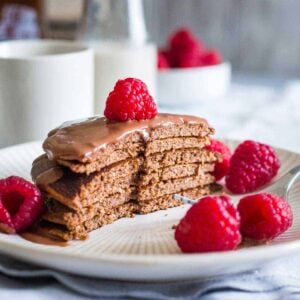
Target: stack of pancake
{"x": 95, "y": 172}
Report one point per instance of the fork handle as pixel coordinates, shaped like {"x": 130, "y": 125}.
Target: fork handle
{"x": 284, "y": 184}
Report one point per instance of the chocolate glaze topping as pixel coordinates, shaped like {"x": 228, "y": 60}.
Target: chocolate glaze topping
{"x": 44, "y": 171}
{"x": 81, "y": 139}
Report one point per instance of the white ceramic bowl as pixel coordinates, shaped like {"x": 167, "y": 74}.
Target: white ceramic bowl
{"x": 193, "y": 85}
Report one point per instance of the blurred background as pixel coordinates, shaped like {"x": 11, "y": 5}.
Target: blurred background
{"x": 257, "y": 36}
{"x": 259, "y": 40}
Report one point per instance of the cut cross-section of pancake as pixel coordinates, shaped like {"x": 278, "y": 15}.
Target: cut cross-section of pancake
{"x": 175, "y": 171}
{"x": 95, "y": 171}
{"x": 65, "y": 223}
{"x": 178, "y": 157}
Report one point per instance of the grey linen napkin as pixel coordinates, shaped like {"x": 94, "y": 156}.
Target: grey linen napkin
{"x": 277, "y": 280}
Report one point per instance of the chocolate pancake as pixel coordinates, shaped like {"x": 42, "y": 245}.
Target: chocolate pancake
{"x": 79, "y": 230}
{"x": 95, "y": 171}
{"x": 173, "y": 172}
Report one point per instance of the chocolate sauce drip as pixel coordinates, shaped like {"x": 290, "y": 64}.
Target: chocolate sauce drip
{"x": 81, "y": 139}
{"x": 38, "y": 238}
{"x": 45, "y": 172}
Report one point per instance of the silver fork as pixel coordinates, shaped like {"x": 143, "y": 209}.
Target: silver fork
{"x": 281, "y": 187}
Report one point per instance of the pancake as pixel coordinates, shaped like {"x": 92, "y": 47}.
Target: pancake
{"x": 94, "y": 172}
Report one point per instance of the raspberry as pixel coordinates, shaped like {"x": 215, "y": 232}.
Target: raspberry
{"x": 188, "y": 59}
{"x": 20, "y": 203}
{"x": 228, "y": 204}
{"x": 252, "y": 165}
{"x": 162, "y": 60}
{"x": 210, "y": 58}
{"x": 6, "y": 224}
{"x": 264, "y": 216}
{"x": 130, "y": 100}
{"x": 185, "y": 49}
{"x": 183, "y": 39}
{"x": 212, "y": 224}
{"x": 221, "y": 167}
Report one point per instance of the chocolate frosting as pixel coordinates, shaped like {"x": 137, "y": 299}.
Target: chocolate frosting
{"x": 40, "y": 238}
{"x": 45, "y": 172}
{"x": 78, "y": 140}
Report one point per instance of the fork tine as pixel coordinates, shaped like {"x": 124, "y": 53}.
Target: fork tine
{"x": 282, "y": 186}
{"x": 184, "y": 200}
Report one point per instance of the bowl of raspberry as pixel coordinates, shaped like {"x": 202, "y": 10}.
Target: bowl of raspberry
{"x": 189, "y": 72}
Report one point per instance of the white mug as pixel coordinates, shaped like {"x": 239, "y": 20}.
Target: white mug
{"x": 42, "y": 84}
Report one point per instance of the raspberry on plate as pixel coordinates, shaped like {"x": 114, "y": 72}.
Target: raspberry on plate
{"x": 20, "y": 204}
{"x": 252, "y": 165}
{"x": 221, "y": 167}
{"x": 6, "y": 223}
{"x": 264, "y": 216}
{"x": 130, "y": 100}
{"x": 212, "y": 224}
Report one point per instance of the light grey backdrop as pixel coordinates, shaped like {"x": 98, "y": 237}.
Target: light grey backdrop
{"x": 257, "y": 36}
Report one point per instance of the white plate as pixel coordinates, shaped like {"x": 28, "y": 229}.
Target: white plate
{"x": 142, "y": 248}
